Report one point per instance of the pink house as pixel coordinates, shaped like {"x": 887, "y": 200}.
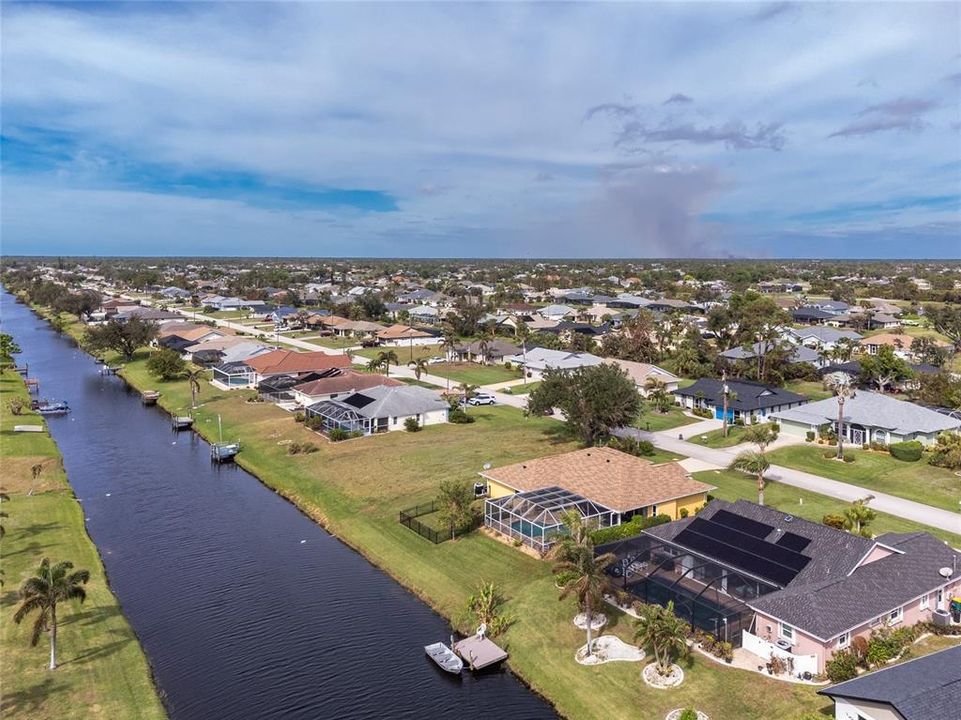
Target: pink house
{"x": 781, "y": 586}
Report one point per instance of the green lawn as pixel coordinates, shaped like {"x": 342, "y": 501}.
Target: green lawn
{"x": 716, "y": 439}
{"x": 916, "y": 481}
{"x": 103, "y": 672}
{"x": 654, "y": 421}
{"x": 334, "y": 343}
{"x": 524, "y": 389}
{"x": 813, "y": 389}
{"x": 474, "y": 373}
{"x": 811, "y": 506}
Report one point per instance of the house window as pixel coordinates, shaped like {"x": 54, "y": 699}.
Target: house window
{"x": 895, "y": 616}
{"x": 787, "y": 632}
{"x": 925, "y": 601}
{"x": 844, "y": 640}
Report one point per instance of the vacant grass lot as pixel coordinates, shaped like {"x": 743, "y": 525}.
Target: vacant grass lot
{"x": 916, "y": 481}
{"x": 802, "y": 503}
{"x": 334, "y": 343}
{"x": 813, "y": 389}
{"x": 654, "y": 420}
{"x": 716, "y": 439}
{"x": 474, "y": 373}
{"x": 405, "y": 354}
{"x": 103, "y": 672}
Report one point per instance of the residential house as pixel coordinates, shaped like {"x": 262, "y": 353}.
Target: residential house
{"x": 527, "y": 500}
{"x": 426, "y": 314}
{"x": 384, "y": 408}
{"x": 799, "y": 354}
{"x": 745, "y": 398}
{"x": 495, "y": 350}
{"x": 231, "y": 348}
{"x": 902, "y": 344}
{"x": 924, "y": 688}
{"x": 820, "y": 336}
{"x": 147, "y": 314}
{"x": 175, "y": 293}
{"x": 339, "y": 383}
{"x": 640, "y": 373}
{"x": 253, "y": 370}
{"x": 538, "y": 360}
{"x": 556, "y": 313}
{"x": 868, "y": 417}
{"x": 811, "y": 315}
{"x": 403, "y": 335}
{"x": 781, "y": 586}
{"x": 357, "y": 328}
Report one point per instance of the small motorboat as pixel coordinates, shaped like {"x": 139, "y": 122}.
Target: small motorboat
{"x": 149, "y": 397}
{"x": 47, "y": 407}
{"x": 445, "y": 658}
{"x": 224, "y": 452}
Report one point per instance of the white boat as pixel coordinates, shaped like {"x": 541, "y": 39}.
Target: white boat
{"x": 445, "y": 658}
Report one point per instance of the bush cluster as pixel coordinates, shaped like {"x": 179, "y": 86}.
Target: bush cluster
{"x": 632, "y": 446}
{"x": 809, "y": 436}
{"x": 338, "y": 434}
{"x": 883, "y": 645}
{"x": 909, "y": 451}
{"x": 718, "y": 648}
{"x": 629, "y": 529}
{"x": 297, "y": 448}
{"x": 702, "y": 412}
{"x": 458, "y": 416}
{"x": 411, "y": 425}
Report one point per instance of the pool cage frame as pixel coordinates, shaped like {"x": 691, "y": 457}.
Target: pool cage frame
{"x": 707, "y": 594}
{"x": 536, "y": 517}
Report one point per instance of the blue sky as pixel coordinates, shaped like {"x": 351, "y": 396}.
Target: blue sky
{"x": 407, "y": 129}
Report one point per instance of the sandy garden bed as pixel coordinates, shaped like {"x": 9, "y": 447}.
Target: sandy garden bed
{"x": 662, "y": 682}
{"x": 599, "y": 620}
{"x": 609, "y": 648}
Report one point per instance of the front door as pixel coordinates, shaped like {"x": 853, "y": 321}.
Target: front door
{"x": 857, "y": 436}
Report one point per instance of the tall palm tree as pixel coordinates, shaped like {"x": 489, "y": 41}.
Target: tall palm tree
{"x": 448, "y": 341}
{"x": 576, "y": 534}
{"x": 385, "y": 358}
{"x": 755, "y": 463}
{"x": 587, "y": 581}
{"x": 194, "y": 377}
{"x": 728, "y": 397}
{"x": 842, "y": 387}
{"x": 51, "y": 585}
{"x": 657, "y": 393}
{"x": 661, "y": 632}
{"x": 420, "y": 367}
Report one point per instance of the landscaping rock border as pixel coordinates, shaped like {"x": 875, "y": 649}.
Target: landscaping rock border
{"x": 660, "y": 682}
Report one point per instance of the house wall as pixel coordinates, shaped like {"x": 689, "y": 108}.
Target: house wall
{"x": 406, "y": 342}
{"x": 496, "y": 490}
{"x": 845, "y": 709}
{"x": 674, "y": 507}
{"x": 434, "y": 417}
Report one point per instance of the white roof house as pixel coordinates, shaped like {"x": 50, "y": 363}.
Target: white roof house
{"x": 870, "y": 417}
{"x": 541, "y": 359}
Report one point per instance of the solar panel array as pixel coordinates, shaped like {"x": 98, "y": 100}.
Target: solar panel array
{"x": 793, "y": 541}
{"x": 746, "y": 551}
{"x": 745, "y": 525}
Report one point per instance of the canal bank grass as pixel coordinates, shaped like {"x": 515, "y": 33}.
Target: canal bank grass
{"x": 356, "y": 488}
{"x": 103, "y": 672}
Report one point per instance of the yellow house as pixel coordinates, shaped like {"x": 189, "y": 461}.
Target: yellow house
{"x": 624, "y": 484}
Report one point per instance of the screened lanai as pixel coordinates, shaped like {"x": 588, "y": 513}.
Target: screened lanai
{"x": 707, "y": 594}
{"x": 334, "y": 414}
{"x": 536, "y": 517}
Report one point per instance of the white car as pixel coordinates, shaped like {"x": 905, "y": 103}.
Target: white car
{"x": 436, "y": 360}
{"x": 482, "y": 399}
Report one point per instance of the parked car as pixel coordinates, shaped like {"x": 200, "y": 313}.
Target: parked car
{"x": 436, "y": 360}
{"x": 482, "y": 399}
{"x": 369, "y": 342}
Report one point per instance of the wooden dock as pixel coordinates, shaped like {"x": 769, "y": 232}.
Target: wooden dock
{"x": 479, "y": 652}
{"x": 149, "y": 397}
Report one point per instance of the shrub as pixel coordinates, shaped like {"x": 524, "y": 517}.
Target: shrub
{"x": 848, "y": 458}
{"x": 754, "y": 419}
{"x": 411, "y": 425}
{"x": 739, "y": 421}
{"x": 909, "y": 451}
{"x": 835, "y": 521}
{"x": 294, "y": 448}
{"x": 299, "y": 417}
{"x": 508, "y": 366}
{"x": 313, "y": 422}
{"x": 809, "y": 436}
{"x": 702, "y": 412}
{"x": 338, "y": 434}
{"x": 458, "y": 416}
{"x": 629, "y": 529}
{"x": 688, "y": 714}
{"x": 684, "y": 512}
{"x": 843, "y": 666}
{"x": 632, "y": 446}
{"x": 946, "y": 452}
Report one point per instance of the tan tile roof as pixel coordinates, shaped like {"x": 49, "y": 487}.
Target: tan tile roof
{"x": 395, "y": 332}
{"x": 189, "y": 330}
{"x": 289, "y": 361}
{"x": 639, "y": 372}
{"x": 345, "y": 381}
{"x": 898, "y": 341}
{"x": 610, "y": 477}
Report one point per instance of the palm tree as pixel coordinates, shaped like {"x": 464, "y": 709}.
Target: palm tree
{"x": 385, "y": 358}
{"x": 761, "y": 435}
{"x": 576, "y": 534}
{"x": 483, "y": 348}
{"x": 467, "y": 391}
{"x": 729, "y": 395}
{"x": 194, "y": 377}
{"x": 587, "y": 581}
{"x": 858, "y": 515}
{"x": 755, "y": 463}
{"x": 657, "y": 393}
{"x": 420, "y": 367}
{"x": 3, "y": 498}
{"x": 448, "y": 341}
{"x": 374, "y": 365}
{"x": 51, "y": 585}
{"x": 661, "y": 632}
{"x": 840, "y": 384}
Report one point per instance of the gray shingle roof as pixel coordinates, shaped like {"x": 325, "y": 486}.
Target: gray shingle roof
{"x": 399, "y": 401}
{"x": 873, "y": 410}
{"x": 750, "y": 395}
{"x": 927, "y": 688}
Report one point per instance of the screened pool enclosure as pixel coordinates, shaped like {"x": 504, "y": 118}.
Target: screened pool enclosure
{"x": 536, "y": 517}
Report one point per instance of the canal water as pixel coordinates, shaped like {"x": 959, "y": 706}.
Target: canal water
{"x": 245, "y": 607}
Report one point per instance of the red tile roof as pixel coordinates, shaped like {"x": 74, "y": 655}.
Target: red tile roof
{"x": 279, "y": 362}
{"x": 345, "y": 381}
